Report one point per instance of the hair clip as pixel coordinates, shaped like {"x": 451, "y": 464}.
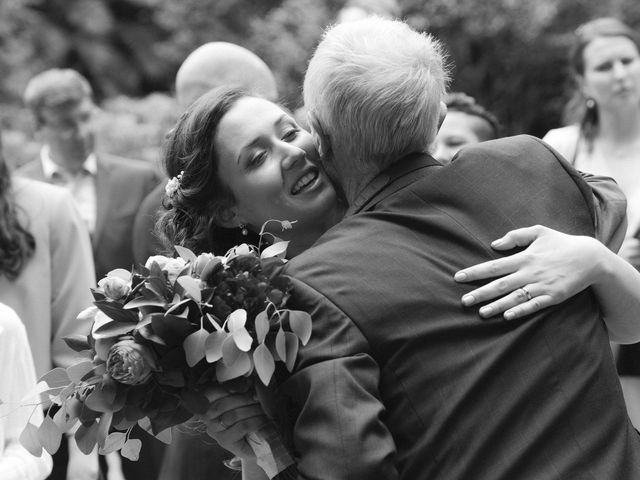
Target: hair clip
{"x": 173, "y": 185}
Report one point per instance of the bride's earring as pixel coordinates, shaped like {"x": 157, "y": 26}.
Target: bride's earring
{"x": 591, "y": 103}
{"x": 243, "y": 229}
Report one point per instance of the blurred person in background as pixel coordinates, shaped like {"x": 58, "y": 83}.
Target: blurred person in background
{"x": 46, "y": 272}
{"x": 107, "y": 189}
{"x": 466, "y": 123}
{"x": 603, "y": 137}
{"x": 209, "y": 66}
{"x": 17, "y": 379}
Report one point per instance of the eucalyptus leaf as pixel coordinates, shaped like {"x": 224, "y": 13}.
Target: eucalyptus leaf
{"x": 103, "y": 428}
{"x": 291, "y": 340}
{"x": 191, "y": 287}
{"x": 278, "y": 249}
{"x": 49, "y": 435}
{"x": 114, "y": 442}
{"x": 101, "y": 399}
{"x": 300, "y": 323}
{"x": 230, "y": 351}
{"x": 194, "y": 346}
{"x": 237, "y": 320}
{"x": 281, "y": 345}
{"x": 30, "y": 441}
{"x": 186, "y": 254}
{"x": 264, "y": 363}
{"x": 213, "y": 345}
{"x": 262, "y": 326}
{"x": 242, "y": 339}
{"x": 86, "y": 437}
{"x": 77, "y": 371}
{"x": 55, "y": 378}
{"x": 241, "y": 366}
{"x": 165, "y": 436}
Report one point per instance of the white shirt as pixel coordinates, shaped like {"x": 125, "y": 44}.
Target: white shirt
{"x": 17, "y": 379}
{"x": 82, "y": 185}
{"x": 624, "y": 170}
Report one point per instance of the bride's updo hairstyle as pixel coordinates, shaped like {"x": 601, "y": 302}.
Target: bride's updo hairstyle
{"x": 197, "y": 201}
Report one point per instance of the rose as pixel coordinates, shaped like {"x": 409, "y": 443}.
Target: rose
{"x": 130, "y": 362}
{"x": 173, "y": 266}
{"x": 117, "y": 284}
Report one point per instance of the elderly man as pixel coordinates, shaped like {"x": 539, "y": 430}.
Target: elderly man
{"x": 209, "y": 66}
{"x": 108, "y": 190}
{"x": 399, "y": 380}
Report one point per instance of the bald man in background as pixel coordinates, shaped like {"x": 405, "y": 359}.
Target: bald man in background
{"x": 211, "y": 65}
{"x": 193, "y": 455}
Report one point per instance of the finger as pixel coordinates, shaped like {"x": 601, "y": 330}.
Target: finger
{"x": 520, "y": 237}
{"x": 229, "y": 403}
{"x": 534, "y": 305}
{"x": 232, "y": 417}
{"x": 215, "y": 392}
{"x": 236, "y": 430}
{"x": 491, "y": 269}
{"x": 497, "y": 288}
{"x": 517, "y": 297}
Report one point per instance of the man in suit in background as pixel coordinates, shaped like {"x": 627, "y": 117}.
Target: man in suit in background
{"x": 211, "y": 65}
{"x": 108, "y": 190}
{"x": 399, "y": 380}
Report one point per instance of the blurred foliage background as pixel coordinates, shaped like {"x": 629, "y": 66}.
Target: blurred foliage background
{"x": 509, "y": 54}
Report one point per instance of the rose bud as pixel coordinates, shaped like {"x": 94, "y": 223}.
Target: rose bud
{"x": 117, "y": 284}
{"x": 174, "y": 267}
{"x": 114, "y": 288}
{"x": 161, "y": 260}
{"x": 130, "y": 362}
{"x": 201, "y": 262}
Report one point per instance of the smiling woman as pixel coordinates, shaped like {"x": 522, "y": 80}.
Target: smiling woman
{"x": 240, "y": 161}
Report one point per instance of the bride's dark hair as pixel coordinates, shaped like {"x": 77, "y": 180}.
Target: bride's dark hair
{"x": 16, "y": 242}
{"x": 194, "y": 210}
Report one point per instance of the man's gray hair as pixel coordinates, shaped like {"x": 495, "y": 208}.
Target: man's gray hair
{"x": 376, "y": 87}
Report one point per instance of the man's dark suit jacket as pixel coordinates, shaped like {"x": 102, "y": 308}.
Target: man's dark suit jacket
{"x": 399, "y": 380}
{"x": 121, "y": 185}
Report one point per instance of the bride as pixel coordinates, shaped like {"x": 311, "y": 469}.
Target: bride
{"x": 237, "y": 161}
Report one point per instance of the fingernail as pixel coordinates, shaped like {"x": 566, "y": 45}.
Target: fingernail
{"x": 460, "y": 277}
{"x": 509, "y": 315}
{"x": 468, "y": 300}
{"x": 496, "y": 243}
{"x": 486, "y": 311}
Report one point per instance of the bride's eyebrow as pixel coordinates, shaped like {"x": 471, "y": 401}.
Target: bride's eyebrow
{"x": 284, "y": 118}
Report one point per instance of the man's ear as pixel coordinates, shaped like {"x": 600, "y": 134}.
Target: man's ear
{"x": 443, "y": 114}
{"x": 320, "y": 137}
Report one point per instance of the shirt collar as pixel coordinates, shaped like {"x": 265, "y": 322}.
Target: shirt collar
{"x": 51, "y": 168}
{"x": 395, "y": 177}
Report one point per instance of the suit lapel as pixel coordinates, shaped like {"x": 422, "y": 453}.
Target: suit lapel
{"x": 103, "y": 197}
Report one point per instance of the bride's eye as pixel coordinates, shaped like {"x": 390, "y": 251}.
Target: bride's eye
{"x": 256, "y": 159}
{"x": 290, "y": 134}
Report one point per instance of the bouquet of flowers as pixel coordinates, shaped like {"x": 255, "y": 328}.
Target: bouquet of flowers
{"x": 160, "y": 335}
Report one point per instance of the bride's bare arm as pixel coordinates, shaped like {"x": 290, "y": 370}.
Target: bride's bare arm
{"x": 554, "y": 267}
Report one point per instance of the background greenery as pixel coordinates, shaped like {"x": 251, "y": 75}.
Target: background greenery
{"x": 509, "y": 54}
